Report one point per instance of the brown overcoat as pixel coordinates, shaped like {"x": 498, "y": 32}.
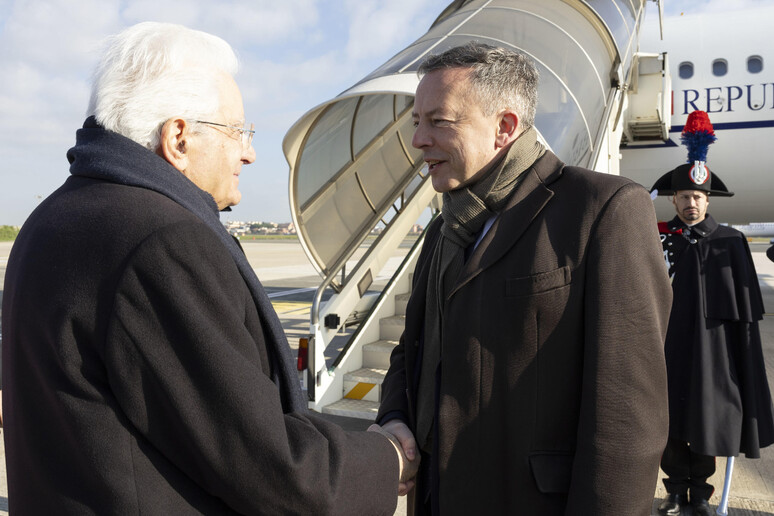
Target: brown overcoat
{"x": 553, "y": 394}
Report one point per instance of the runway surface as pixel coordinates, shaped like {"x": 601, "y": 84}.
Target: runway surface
{"x": 291, "y": 281}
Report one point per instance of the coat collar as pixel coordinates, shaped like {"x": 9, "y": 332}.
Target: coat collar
{"x": 107, "y": 156}
{"x": 703, "y": 228}
{"x": 529, "y": 199}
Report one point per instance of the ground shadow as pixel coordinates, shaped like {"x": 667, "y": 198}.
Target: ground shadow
{"x": 732, "y": 511}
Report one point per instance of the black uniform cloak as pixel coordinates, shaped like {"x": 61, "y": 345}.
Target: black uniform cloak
{"x": 719, "y": 398}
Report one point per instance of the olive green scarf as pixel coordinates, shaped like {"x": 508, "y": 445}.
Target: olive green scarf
{"x": 465, "y": 211}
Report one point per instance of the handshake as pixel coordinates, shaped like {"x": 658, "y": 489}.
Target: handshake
{"x": 406, "y": 446}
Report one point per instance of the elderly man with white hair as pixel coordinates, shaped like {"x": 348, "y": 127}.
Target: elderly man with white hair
{"x": 145, "y": 371}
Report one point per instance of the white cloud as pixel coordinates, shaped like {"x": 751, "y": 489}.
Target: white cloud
{"x": 47, "y": 49}
{"x": 279, "y": 92}
{"x": 265, "y": 22}
{"x": 373, "y": 22}
{"x": 292, "y": 53}
{"x": 295, "y": 55}
{"x": 56, "y": 34}
{"x": 188, "y": 13}
{"x": 240, "y": 22}
{"x": 325, "y": 63}
{"x": 26, "y": 115}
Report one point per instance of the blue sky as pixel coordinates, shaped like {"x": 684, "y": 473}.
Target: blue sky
{"x": 294, "y": 55}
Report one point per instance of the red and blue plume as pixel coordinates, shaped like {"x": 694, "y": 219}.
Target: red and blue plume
{"x": 697, "y": 136}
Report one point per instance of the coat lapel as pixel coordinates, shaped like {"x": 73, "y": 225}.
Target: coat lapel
{"x": 416, "y": 303}
{"x": 531, "y": 196}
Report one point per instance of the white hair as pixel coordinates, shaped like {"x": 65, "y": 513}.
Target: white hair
{"x": 152, "y": 72}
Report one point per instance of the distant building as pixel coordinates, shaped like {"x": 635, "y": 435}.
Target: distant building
{"x": 286, "y": 228}
{"x": 240, "y": 228}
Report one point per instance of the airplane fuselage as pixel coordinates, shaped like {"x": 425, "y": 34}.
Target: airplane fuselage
{"x": 720, "y": 63}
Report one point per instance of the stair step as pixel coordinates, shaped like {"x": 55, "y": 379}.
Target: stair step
{"x": 391, "y": 328}
{"x": 353, "y": 408}
{"x": 401, "y": 302}
{"x": 366, "y": 374}
{"x": 377, "y": 354}
{"x": 364, "y": 384}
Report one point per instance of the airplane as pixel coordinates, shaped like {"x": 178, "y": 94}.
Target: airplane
{"x": 756, "y": 229}
{"x": 721, "y": 63}
{"x": 606, "y": 93}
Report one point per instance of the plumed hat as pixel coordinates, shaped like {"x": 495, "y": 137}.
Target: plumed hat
{"x": 694, "y": 175}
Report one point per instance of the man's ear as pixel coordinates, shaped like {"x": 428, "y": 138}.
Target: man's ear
{"x": 173, "y": 146}
{"x": 508, "y": 128}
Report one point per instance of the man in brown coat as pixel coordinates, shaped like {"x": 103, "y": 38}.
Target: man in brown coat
{"x": 531, "y": 375}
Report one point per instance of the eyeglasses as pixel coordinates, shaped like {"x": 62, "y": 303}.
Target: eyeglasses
{"x": 246, "y": 135}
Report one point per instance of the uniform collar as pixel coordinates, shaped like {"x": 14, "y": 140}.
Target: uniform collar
{"x": 702, "y": 229}
{"x": 706, "y": 226}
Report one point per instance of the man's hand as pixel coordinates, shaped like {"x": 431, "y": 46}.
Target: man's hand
{"x": 406, "y": 447}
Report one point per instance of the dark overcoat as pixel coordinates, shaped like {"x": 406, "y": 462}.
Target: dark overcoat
{"x": 719, "y": 398}
{"x": 138, "y": 377}
{"x": 553, "y": 395}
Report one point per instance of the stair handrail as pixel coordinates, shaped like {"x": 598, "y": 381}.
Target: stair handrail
{"x": 422, "y": 194}
{"x": 387, "y": 288}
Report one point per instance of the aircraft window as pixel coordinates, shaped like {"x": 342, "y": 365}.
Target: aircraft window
{"x": 327, "y": 149}
{"x": 373, "y": 115}
{"x": 560, "y": 120}
{"x": 719, "y": 67}
{"x": 557, "y": 50}
{"x": 618, "y": 17}
{"x": 754, "y": 64}
{"x": 686, "y": 70}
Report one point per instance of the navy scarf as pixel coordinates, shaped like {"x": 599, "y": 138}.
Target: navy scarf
{"x": 108, "y": 156}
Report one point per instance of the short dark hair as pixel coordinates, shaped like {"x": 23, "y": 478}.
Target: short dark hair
{"x": 502, "y": 78}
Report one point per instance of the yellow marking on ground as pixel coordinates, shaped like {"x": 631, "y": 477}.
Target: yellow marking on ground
{"x": 290, "y": 306}
{"x": 359, "y": 391}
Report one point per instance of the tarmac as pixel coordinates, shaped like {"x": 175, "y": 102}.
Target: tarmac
{"x": 290, "y": 279}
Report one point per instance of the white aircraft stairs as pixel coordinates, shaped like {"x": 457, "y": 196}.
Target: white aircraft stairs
{"x": 353, "y": 171}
